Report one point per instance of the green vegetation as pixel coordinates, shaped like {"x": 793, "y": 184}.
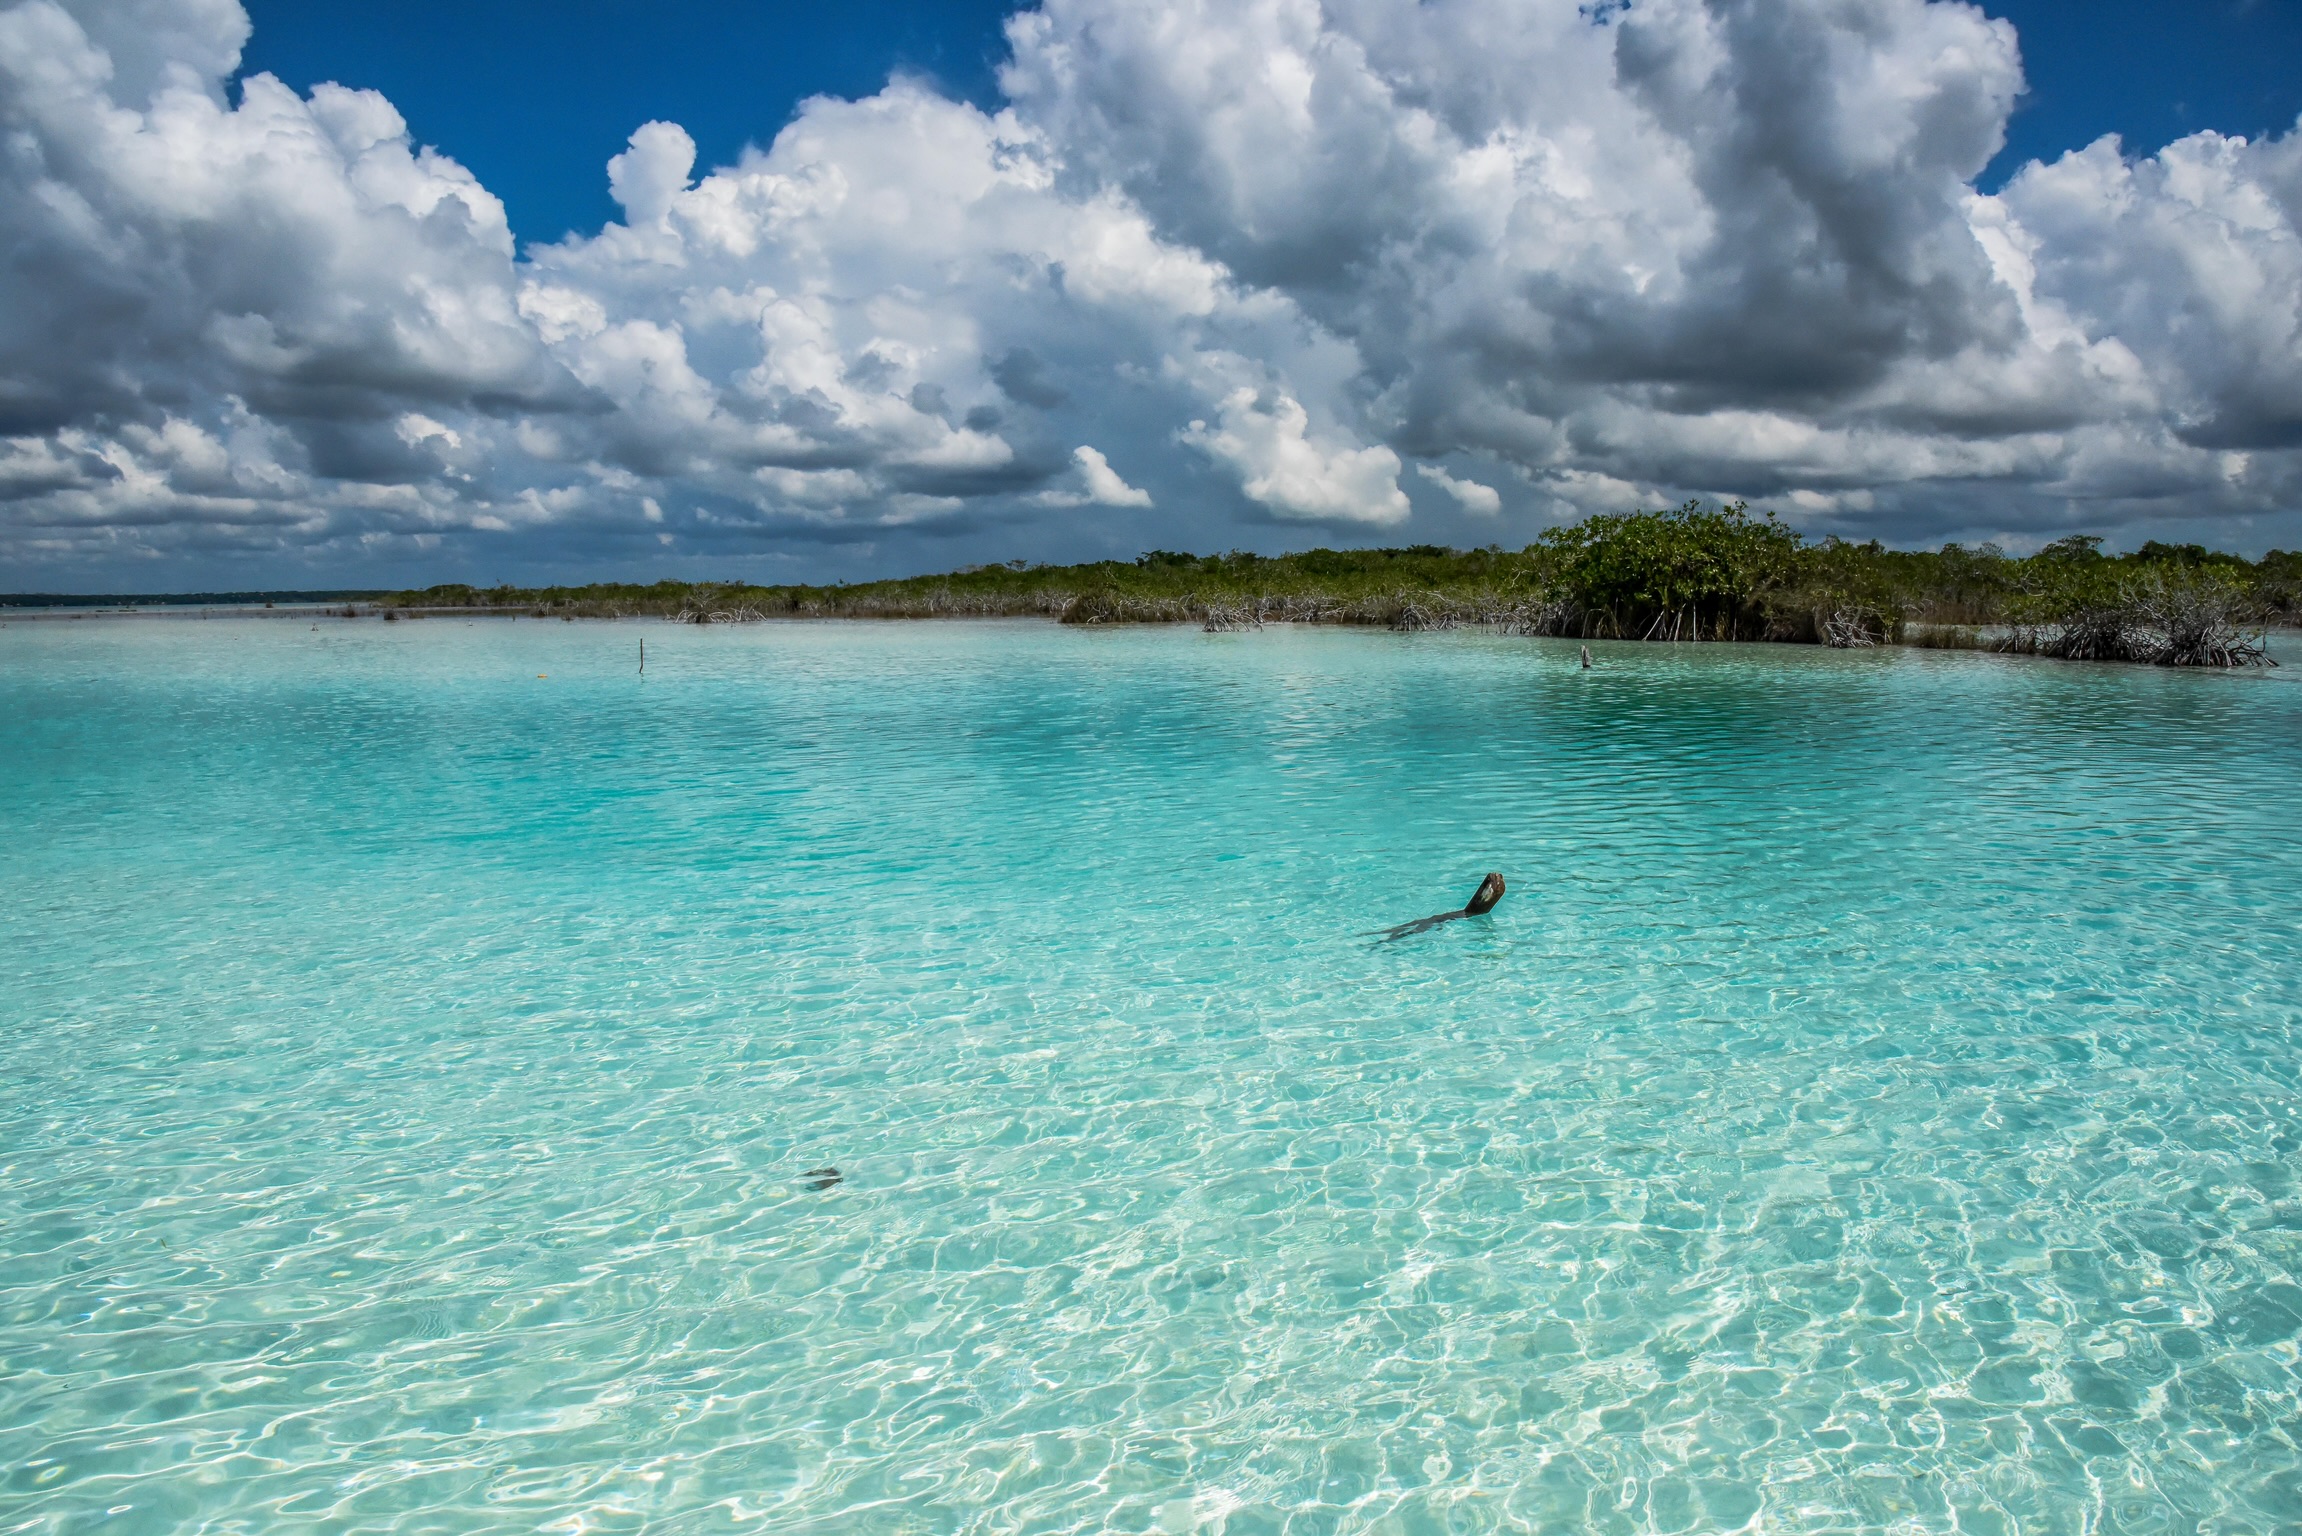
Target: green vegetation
{"x": 1689, "y": 573}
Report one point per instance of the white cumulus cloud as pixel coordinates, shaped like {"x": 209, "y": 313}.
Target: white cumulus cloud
{"x": 1284, "y": 468}
{"x": 1470, "y": 494}
{"x": 1263, "y": 253}
{"x": 1104, "y": 487}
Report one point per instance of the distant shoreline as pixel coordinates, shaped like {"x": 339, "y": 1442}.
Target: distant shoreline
{"x": 1716, "y": 575}
{"x": 60, "y": 612}
{"x": 11, "y": 602}
{"x": 1972, "y": 639}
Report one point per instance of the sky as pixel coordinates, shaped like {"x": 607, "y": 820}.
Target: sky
{"x": 307, "y": 294}
{"x": 534, "y": 96}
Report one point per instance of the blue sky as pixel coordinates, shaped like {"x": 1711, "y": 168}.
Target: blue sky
{"x": 367, "y": 293}
{"x": 535, "y": 97}
{"x": 2150, "y": 71}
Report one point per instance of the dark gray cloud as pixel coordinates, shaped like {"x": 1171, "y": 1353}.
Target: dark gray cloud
{"x": 1222, "y": 273}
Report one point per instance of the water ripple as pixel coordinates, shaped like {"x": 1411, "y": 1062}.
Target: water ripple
{"x": 1873, "y": 1109}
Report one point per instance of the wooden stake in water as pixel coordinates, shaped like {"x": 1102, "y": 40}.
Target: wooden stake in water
{"x": 643, "y": 655}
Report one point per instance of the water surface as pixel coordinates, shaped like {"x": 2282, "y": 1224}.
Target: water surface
{"x": 1874, "y": 1108}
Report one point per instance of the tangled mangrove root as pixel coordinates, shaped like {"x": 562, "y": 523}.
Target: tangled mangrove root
{"x": 744, "y": 615}
{"x": 1849, "y": 628}
{"x": 2205, "y": 633}
{"x": 1110, "y": 607}
{"x": 2103, "y": 638}
{"x": 2160, "y": 621}
{"x": 1532, "y": 618}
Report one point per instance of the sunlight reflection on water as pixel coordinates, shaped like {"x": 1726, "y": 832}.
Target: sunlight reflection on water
{"x": 1873, "y": 1108}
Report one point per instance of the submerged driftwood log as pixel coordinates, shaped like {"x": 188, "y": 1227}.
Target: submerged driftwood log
{"x": 1481, "y": 903}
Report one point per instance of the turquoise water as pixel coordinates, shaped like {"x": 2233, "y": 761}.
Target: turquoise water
{"x": 1874, "y": 1108}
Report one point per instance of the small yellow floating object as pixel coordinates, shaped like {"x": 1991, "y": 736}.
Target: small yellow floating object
{"x": 540, "y": 676}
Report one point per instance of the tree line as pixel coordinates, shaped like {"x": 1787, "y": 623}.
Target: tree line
{"x": 1691, "y": 573}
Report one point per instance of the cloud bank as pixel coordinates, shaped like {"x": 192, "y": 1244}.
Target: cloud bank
{"x": 1257, "y": 273}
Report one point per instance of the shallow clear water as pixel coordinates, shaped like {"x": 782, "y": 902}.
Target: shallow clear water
{"x": 1873, "y": 1108}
